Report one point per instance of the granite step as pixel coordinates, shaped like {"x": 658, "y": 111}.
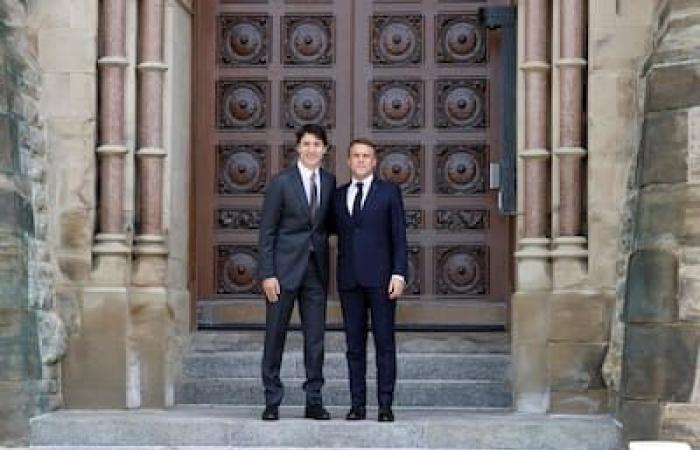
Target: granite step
{"x": 446, "y": 393}
{"x": 239, "y": 428}
{"x": 494, "y": 367}
{"x": 406, "y": 342}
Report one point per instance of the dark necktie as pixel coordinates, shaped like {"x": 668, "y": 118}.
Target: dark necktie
{"x": 313, "y": 197}
{"x": 357, "y": 203}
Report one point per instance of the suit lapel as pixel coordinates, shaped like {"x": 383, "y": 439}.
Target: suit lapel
{"x": 301, "y": 193}
{"x": 369, "y": 201}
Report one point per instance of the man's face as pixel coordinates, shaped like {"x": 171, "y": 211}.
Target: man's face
{"x": 362, "y": 161}
{"x": 311, "y": 151}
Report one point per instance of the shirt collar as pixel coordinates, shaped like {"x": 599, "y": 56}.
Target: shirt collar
{"x": 306, "y": 172}
{"x": 366, "y": 182}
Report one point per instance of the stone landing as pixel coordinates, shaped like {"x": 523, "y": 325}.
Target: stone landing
{"x": 240, "y": 427}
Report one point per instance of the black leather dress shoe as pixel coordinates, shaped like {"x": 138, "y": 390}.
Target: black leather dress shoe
{"x": 385, "y": 415}
{"x": 271, "y": 413}
{"x": 357, "y": 413}
{"x": 316, "y": 412}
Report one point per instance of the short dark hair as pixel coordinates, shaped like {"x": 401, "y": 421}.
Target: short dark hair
{"x": 363, "y": 141}
{"x": 314, "y": 130}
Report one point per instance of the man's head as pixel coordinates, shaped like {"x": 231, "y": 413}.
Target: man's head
{"x": 311, "y": 145}
{"x": 362, "y": 158}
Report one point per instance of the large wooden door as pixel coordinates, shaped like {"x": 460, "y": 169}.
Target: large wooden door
{"x": 416, "y": 77}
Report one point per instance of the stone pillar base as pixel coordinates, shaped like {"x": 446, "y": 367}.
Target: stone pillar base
{"x": 570, "y": 262}
{"x": 533, "y": 265}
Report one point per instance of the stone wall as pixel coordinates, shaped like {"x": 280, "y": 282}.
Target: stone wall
{"x": 32, "y": 336}
{"x": 561, "y": 332}
{"x": 659, "y": 384}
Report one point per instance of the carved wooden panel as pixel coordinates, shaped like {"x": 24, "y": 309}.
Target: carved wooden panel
{"x": 461, "y": 270}
{"x": 289, "y": 156}
{"x": 243, "y": 40}
{"x": 461, "y": 168}
{"x": 241, "y": 168}
{"x": 461, "y": 103}
{"x": 308, "y": 40}
{"x": 397, "y": 40}
{"x": 401, "y": 164}
{"x": 308, "y": 101}
{"x": 397, "y": 104}
{"x": 456, "y": 219}
{"x": 459, "y": 39}
{"x": 237, "y": 218}
{"x": 236, "y": 269}
{"x": 415, "y": 219}
{"x": 242, "y": 104}
{"x": 414, "y": 280}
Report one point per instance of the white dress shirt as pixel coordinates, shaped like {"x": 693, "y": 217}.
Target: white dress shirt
{"x": 306, "y": 179}
{"x": 352, "y": 191}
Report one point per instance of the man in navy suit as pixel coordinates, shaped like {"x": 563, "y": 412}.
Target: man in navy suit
{"x": 372, "y": 264}
{"x": 293, "y": 241}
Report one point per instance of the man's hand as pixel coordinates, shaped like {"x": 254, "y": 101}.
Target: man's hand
{"x": 396, "y": 286}
{"x": 271, "y": 286}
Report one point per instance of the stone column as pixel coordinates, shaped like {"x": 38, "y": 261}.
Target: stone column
{"x": 150, "y": 241}
{"x": 570, "y": 253}
{"x": 148, "y": 312}
{"x": 530, "y": 304}
{"x": 111, "y": 247}
{"x": 533, "y": 254}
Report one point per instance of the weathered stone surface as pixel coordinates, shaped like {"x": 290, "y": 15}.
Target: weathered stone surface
{"x": 652, "y": 287}
{"x": 53, "y": 341}
{"x": 660, "y": 361}
{"x": 530, "y": 321}
{"x": 681, "y": 422}
{"x": 530, "y": 374}
{"x": 640, "y": 419}
{"x": 588, "y": 402}
{"x": 664, "y": 149}
{"x": 74, "y": 267}
{"x": 578, "y": 317}
{"x": 673, "y": 87}
{"x": 576, "y": 367}
{"x": 76, "y": 229}
{"x": 667, "y": 202}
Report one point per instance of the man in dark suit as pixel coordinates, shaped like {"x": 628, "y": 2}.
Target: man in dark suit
{"x": 372, "y": 264}
{"x": 293, "y": 245}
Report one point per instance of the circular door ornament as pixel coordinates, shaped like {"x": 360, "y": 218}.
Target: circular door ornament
{"x": 242, "y": 104}
{"x": 397, "y": 39}
{"x": 460, "y": 39}
{"x": 307, "y": 101}
{"x": 237, "y": 269}
{"x": 241, "y": 169}
{"x": 243, "y": 40}
{"x": 309, "y": 40}
{"x": 462, "y": 270}
{"x": 397, "y": 105}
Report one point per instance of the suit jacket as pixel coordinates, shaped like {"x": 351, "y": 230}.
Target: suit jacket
{"x": 287, "y": 232}
{"x": 373, "y": 246}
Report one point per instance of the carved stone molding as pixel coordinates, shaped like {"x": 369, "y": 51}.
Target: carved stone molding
{"x": 289, "y": 156}
{"x": 242, "y": 104}
{"x": 244, "y": 40}
{"x": 308, "y": 101}
{"x": 461, "y": 103}
{"x": 241, "y": 168}
{"x": 397, "y": 40}
{"x": 401, "y": 164}
{"x": 236, "y": 269}
{"x": 461, "y": 168}
{"x": 459, "y": 39}
{"x": 237, "y": 218}
{"x": 397, "y": 104}
{"x": 415, "y": 219}
{"x": 455, "y": 219}
{"x": 461, "y": 270}
{"x": 308, "y": 40}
